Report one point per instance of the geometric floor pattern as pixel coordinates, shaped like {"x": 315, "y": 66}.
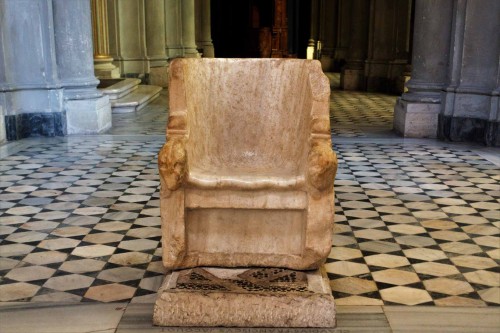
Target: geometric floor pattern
{"x": 348, "y": 108}
{"x": 359, "y": 113}
{"x": 416, "y": 223}
{"x": 80, "y": 221}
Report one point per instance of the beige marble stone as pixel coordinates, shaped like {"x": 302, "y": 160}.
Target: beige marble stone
{"x": 247, "y": 171}
{"x": 353, "y": 285}
{"x": 257, "y": 297}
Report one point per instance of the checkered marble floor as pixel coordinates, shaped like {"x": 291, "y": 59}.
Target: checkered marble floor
{"x": 359, "y": 114}
{"x": 417, "y": 220}
{"x": 415, "y": 224}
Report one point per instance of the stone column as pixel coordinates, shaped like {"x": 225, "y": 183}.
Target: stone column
{"x": 103, "y": 62}
{"x": 3, "y": 82}
{"x": 343, "y": 34}
{"x": 155, "y": 42}
{"x": 492, "y": 133}
{"x": 470, "y": 104}
{"x": 416, "y": 112}
{"x": 87, "y": 110}
{"x": 188, "y": 29}
{"x": 398, "y": 66}
{"x": 203, "y": 29}
{"x": 313, "y": 39}
{"x": 127, "y": 30}
{"x": 352, "y": 76}
{"x": 380, "y": 45}
{"x": 31, "y": 95}
{"x": 173, "y": 30}
{"x": 328, "y": 33}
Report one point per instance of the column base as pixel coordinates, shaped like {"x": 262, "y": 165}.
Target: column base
{"x": 24, "y": 125}
{"x": 416, "y": 120}
{"x": 191, "y": 54}
{"x": 88, "y": 116}
{"x": 245, "y": 297}
{"x": 327, "y": 63}
{"x": 107, "y": 74}
{"x": 158, "y": 76}
{"x": 401, "y": 84}
{"x": 469, "y": 129}
{"x": 208, "y": 50}
{"x": 352, "y": 79}
{"x": 376, "y": 79}
{"x": 3, "y": 136}
{"x": 104, "y": 69}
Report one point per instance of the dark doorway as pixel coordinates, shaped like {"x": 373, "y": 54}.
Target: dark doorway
{"x": 250, "y": 28}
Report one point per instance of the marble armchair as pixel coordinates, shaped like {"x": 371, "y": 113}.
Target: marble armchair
{"x": 247, "y": 171}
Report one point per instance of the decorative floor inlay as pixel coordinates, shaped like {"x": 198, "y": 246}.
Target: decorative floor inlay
{"x": 269, "y": 280}
{"x": 415, "y": 223}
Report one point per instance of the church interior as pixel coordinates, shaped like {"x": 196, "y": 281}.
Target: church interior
{"x": 414, "y": 115}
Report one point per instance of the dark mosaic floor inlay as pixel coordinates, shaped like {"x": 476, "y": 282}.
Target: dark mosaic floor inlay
{"x": 274, "y": 280}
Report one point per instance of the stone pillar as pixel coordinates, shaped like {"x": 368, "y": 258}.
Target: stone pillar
{"x": 293, "y": 19}
{"x": 352, "y": 76}
{"x": 103, "y": 62}
{"x": 48, "y": 85}
{"x": 492, "y": 135}
{"x": 87, "y": 110}
{"x": 416, "y": 112}
{"x": 3, "y": 81}
{"x": 31, "y": 94}
{"x": 313, "y": 39}
{"x": 3, "y": 136}
{"x": 188, "y": 29}
{"x": 328, "y": 33}
{"x": 203, "y": 29}
{"x": 343, "y": 34}
{"x": 173, "y": 30}
{"x": 155, "y": 42}
{"x": 470, "y": 103}
{"x": 127, "y": 39}
{"x": 380, "y": 45}
{"x": 398, "y": 66}
{"x": 180, "y": 29}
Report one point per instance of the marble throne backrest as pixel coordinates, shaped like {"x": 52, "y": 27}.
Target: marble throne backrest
{"x": 251, "y": 115}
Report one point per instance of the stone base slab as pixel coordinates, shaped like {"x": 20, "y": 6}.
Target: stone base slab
{"x": 88, "y": 116}
{"x": 3, "y": 136}
{"x": 248, "y": 297}
{"x": 352, "y": 79}
{"x": 136, "y": 100}
{"x": 158, "y": 76}
{"x": 416, "y": 120}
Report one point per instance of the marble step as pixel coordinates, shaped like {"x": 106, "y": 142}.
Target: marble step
{"x": 136, "y": 100}
{"x": 118, "y": 88}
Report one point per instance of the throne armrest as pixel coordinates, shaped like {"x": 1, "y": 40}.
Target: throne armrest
{"x": 322, "y": 160}
{"x": 172, "y": 159}
{"x": 172, "y": 163}
{"x": 322, "y": 165}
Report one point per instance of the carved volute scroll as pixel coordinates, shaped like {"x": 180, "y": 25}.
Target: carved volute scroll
{"x": 172, "y": 163}
{"x": 322, "y": 165}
